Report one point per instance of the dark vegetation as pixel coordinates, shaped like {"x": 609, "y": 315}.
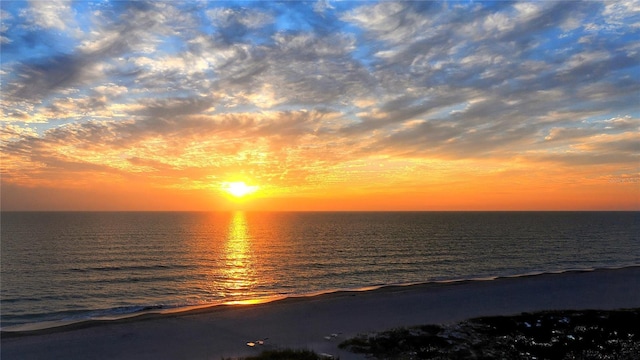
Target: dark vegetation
{"x": 562, "y": 335}
{"x": 586, "y": 335}
{"x": 287, "y": 354}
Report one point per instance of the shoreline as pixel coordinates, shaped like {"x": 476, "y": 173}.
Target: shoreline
{"x": 311, "y": 322}
{"x": 52, "y": 326}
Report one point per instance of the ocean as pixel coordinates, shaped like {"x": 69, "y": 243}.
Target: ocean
{"x": 60, "y": 267}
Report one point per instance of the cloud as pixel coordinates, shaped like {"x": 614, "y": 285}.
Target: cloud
{"x": 135, "y": 29}
{"x": 174, "y": 108}
{"x": 301, "y": 91}
{"x": 168, "y": 139}
{"x": 5, "y": 17}
{"x": 248, "y": 18}
{"x": 322, "y": 5}
{"x": 38, "y": 79}
{"x": 622, "y": 14}
{"x": 51, "y": 14}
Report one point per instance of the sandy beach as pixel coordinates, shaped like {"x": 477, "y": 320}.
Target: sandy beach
{"x": 320, "y": 322}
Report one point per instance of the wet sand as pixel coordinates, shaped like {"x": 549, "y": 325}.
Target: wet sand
{"x": 319, "y": 323}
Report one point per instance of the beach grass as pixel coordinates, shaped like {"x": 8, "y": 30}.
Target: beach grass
{"x": 587, "y": 334}
{"x": 591, "y": 334}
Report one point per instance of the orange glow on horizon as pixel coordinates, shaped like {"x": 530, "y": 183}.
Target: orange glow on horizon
{"x": 492, "y": 187}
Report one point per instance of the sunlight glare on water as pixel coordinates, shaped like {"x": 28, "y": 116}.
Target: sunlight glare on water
{"x": 239, "y": 270}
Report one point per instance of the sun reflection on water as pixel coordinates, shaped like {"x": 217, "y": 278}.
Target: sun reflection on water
{"x": 239, "y": 276}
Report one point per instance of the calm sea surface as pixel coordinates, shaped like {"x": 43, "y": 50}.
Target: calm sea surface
{"x": 72, "y": 265}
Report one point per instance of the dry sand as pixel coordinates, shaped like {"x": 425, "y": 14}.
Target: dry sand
{"x": 224, "y": 331}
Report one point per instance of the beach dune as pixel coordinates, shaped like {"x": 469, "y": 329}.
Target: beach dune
{"x": 320, "y": 322}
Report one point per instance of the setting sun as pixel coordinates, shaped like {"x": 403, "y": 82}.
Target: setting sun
{"x": 238, "y": 188}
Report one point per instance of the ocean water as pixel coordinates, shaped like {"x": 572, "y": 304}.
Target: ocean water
{"x": 73, "y": 266}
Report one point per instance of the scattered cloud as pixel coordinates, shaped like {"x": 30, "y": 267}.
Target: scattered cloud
{"x": 294, "y": 93}
{"x": 54, "y": 14}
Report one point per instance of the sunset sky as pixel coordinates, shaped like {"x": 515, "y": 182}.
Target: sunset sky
{"x": 327, "y": 105}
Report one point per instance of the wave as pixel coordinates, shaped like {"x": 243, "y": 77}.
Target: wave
{"x": 101, "y": 316}
{"x": 131, "y": 268}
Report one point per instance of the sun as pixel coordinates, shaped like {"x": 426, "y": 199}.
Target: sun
{"x": 238, "y": 188}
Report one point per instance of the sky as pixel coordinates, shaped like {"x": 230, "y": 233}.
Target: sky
{"x": 320, "y": 105}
